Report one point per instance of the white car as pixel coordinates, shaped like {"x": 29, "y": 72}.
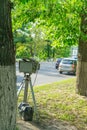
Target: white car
{"x": 68, "y": 65}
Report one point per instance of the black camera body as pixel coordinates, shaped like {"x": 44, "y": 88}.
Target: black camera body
{"x": 26, "y": 111}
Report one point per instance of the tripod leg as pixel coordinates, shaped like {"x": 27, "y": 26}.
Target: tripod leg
{"x": 33, "y": 97}
{"x": 20, "y": 88}
{"x": 26, "y": 90}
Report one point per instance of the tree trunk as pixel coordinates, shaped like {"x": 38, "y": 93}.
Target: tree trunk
{"x": 82, "y": 57}
{"x": 7, "y": 69}
{"x": 7, "y": 98}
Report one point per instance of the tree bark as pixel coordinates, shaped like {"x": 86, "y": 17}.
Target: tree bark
{"x": 7, "y": 98}
{"x": 7, "y": 69}
{"x": 7, "y": 53}
{"x": 82, "y": 56}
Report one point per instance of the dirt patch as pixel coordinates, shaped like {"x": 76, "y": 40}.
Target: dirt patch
{"x": 22, "y": 125}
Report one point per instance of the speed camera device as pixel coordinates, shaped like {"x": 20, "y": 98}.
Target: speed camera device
{"x": 28, "y": 66}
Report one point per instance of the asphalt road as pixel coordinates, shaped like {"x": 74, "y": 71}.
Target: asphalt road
{"x": 47, "y": 74}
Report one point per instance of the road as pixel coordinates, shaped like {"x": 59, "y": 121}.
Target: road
{"x": 47, "y": 74}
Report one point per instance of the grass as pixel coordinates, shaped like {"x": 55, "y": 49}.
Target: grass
{"x": 59, "y": 101}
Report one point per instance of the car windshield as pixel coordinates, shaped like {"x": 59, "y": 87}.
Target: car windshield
{"x": 66, "y": 61}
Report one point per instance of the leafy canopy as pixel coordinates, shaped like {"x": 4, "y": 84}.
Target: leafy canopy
{"x": 58, "y": 20}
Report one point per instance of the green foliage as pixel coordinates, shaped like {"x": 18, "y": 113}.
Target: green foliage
{"x": 22, "y": 52}
{"x": 58, "y": 20}
{"x": 63, "y": 51}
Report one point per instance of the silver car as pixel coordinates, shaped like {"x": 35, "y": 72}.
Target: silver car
{"x": 68, "y": 65}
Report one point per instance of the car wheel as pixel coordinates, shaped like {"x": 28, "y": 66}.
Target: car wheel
{"x": 60, "y": 72}
{"x": 56, "y": 67}
{"x": 75, "y": 73}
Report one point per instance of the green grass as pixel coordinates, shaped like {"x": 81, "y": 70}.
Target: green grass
{"x": 59, "y": 101}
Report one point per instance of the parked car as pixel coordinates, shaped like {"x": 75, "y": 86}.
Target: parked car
{"x": 57, "y": 63}
{"x": 68, "y": 65}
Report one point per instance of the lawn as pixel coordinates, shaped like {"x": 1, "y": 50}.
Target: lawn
{"x": 59, "y": 102}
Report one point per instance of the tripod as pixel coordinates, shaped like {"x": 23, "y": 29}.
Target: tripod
{"x": 24, "y": 84}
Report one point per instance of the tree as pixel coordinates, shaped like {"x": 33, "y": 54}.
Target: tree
{"x": 61, "y": 22}
{"x": 7, "y": 69}
{"x": 82, "y": 53}
{"x": 59, "y": 19}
